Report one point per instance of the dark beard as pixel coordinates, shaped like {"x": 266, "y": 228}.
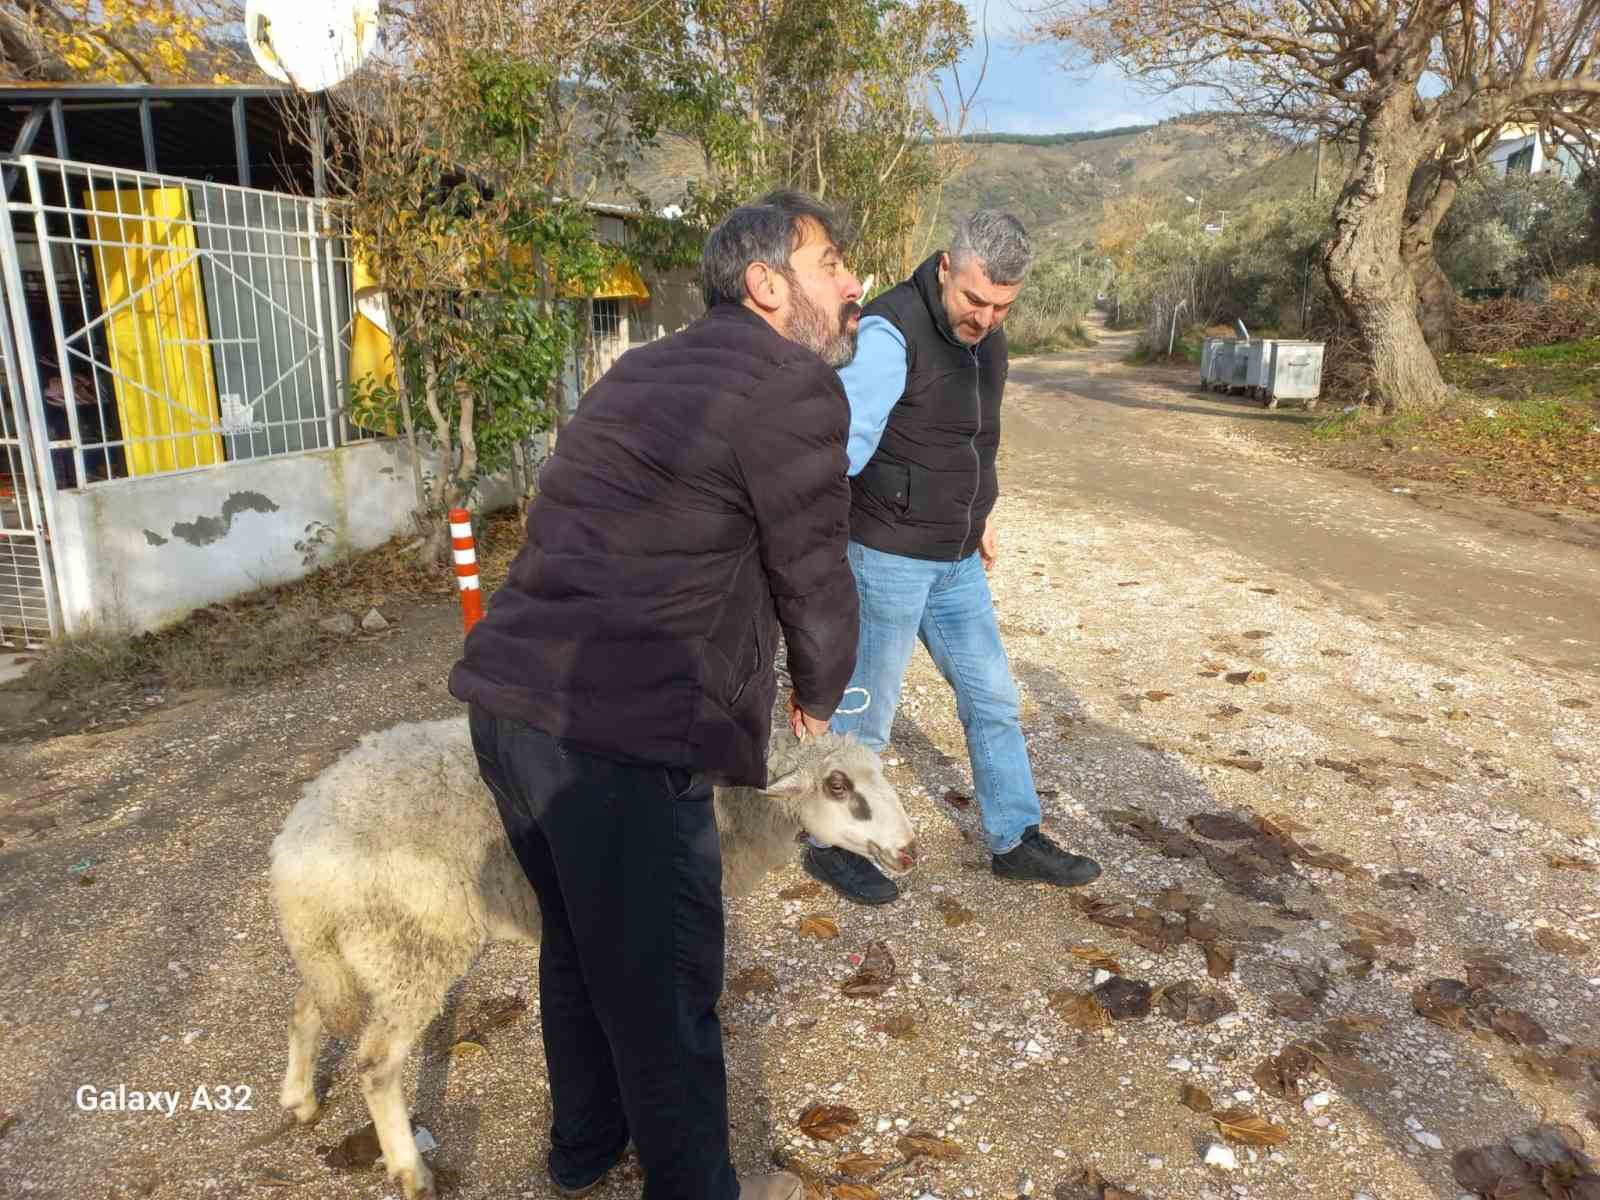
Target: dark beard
{"x": 808, "y": 325}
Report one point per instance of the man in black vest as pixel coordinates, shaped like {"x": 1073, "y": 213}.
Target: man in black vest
{"x": 924, "y": 392}
{"x": 696, "y": 504}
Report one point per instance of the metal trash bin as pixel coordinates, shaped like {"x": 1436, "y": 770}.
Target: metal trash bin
{"x": 1294, "y": 373}
{"x": 1219, "y": 368}
{"x": 1208, "y": 353}
{"x": 1258, "y": 363}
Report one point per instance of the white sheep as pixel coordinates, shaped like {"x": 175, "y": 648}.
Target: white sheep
{"x": 393, "y": 871}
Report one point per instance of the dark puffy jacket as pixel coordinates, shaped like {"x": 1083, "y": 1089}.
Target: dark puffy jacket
{"x": 696, "y": 502}
{"x": 929, "y": 487}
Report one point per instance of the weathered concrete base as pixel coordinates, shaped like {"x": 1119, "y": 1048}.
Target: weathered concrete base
{"x": 141, "y": 553}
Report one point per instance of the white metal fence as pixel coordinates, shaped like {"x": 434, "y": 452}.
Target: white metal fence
{"x": 155, "y": 325}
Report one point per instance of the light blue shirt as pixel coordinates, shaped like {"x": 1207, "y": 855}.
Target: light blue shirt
{"x": 874, "y": 380}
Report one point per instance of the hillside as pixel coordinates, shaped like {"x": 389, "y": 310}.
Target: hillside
{"x": 1059, "y": 190}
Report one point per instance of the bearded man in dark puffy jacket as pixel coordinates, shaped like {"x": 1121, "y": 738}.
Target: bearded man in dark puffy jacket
{"x": 696, "y": 504}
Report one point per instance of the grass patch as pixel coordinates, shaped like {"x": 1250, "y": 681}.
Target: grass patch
{"x": 269, "y": 634}
{"x": 1183, "y": 351}
{"x": 1361, "y": 422}
{"x": 1023, "y": 340}
{"x": 1523, "y": 425}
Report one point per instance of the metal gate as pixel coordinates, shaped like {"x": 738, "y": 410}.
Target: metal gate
{"x": 154, "y": 325}
{"x": 28, "y": 614}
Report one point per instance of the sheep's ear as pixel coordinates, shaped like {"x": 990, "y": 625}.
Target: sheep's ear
{"x": 791, "y": 784}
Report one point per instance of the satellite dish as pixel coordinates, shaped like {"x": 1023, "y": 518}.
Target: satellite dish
{"x": 312, "y": 44}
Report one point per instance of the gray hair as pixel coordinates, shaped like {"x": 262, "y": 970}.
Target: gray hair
{"x": 998, "y": 241}
{"x": 767, "y": 231}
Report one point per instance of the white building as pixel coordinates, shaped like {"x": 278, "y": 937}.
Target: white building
{"x": 1521, "y": 151}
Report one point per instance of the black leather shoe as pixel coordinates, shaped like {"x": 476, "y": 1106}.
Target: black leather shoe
{"x": 1039, "y": 860}
{"x": 853, "y": 877}
{"x": 575, "y": 1190}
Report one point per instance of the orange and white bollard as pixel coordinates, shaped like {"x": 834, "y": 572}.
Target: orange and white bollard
{"x": 466, "y": 555}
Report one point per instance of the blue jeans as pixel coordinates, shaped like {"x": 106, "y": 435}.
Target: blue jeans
{"x": 949, "y": 607}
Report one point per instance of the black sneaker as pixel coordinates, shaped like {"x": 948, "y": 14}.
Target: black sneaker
{"x": 1039, "y": 860}
{"x": 853, "y": 877}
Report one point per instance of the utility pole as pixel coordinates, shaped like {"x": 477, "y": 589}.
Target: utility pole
{"x": 1305, "y": 283}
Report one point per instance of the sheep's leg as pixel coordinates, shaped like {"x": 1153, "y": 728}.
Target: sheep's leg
{"x": 380, "y": 1059}
{"x": 299, "y": 1093}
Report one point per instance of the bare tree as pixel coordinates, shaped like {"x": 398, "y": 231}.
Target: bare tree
{"x": 1413, "y": 82}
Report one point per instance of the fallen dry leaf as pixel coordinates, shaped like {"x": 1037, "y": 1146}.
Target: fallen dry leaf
{"x": 1358, "y": 948}
{"x": 954, "y": 912}
{"x": 1124, "y": 999}
{"x": 1516, "y": 1026}
{"x": 1238, "y": 1125}
{"x": 1201, "y": 928}
{"x": 1413, "y": 881}
{"x": 1486, "y": 969}
{"x": 1219, "y": 960}
{"x": 1081, "y": 1010}
{"x": 828, "y": 1122}
{"x": 1443, "y": 1001}
{"x": 852, "y": 1191}
{"x": 1243, "y": 763}
{"x": 1292, "y": 1005}
{"x": 1557, "y": 942}
{"x": 819, "y": 927}
{"x": 752, "y": 981}
{"x": 1567, "y": 862}
{"x": 1246, "y": 677}
{"x": 928, "y": 1145}
{"x": 1195, "y": 1098}
{"x": 356, "y": 1151}
{"x": 1097, "y": 958}
{"x": 1283, "y": 1073}
{"x": 1175, "y": 900}
{"x": 1380, "y": 929}
{"x": 466, "y": 1048}
{"x": 902, "y": 1026}
{"x": 1157, "y": 697}
{"x": 1223, "y": 827}
{"x": 801, "y": 891}
{"x": 875, "y": 976}
{"x": 859, "y": 1166}
{"x": 1184, "y": 1002}
{"x": 957, "y": 799}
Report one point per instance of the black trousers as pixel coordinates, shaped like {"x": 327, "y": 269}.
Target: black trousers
{"x": 628, "y": 871}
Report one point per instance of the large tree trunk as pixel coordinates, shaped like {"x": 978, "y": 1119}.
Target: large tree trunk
{"x": 1433, "y": 190}
{"x": 1365, "y": 270}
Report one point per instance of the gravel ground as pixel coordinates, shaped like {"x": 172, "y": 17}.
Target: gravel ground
{"x": 142, "y": 950}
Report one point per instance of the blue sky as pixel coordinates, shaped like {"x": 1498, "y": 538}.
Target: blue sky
{"x": 1027, "y": 90}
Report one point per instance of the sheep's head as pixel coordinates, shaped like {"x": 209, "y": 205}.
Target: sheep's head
{"x": 840, "y": 795}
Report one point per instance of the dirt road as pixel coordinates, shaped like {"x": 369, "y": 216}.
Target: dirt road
{"x": 1097, "y": 434}
{"x": 1198, "y": 626}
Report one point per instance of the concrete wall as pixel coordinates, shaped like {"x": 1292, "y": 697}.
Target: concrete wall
{"x": 142, "y": 553}
{"x": 674, "y": 302}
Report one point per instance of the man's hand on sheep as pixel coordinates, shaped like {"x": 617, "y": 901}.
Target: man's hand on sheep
{"x": 802, "y": 722}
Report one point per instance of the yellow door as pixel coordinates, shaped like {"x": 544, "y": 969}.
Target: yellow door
{"x": 148, "y": 269}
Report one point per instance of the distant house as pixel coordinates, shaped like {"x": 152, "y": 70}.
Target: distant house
{"x": 182, "y": 321}
{"x": 1521, "y": 150}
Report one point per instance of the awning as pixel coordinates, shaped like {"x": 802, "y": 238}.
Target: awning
{"x": 621, "y": 282}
